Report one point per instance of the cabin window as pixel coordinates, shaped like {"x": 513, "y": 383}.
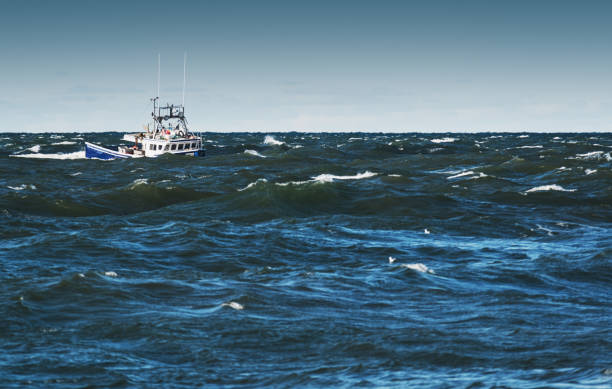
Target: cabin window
{"x": 174, "y": 146}
{"x": 151, "y": 147}
{"x": 180, "y": 146}
{"x": 166, "y": 148}
{"x": 193, "y": 145}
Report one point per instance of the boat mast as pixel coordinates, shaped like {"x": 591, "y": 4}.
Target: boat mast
{"x": 184, "y": 77}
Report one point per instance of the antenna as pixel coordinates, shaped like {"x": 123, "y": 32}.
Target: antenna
{"x": 184, "y": 72}
{"x": 158, "y": 71}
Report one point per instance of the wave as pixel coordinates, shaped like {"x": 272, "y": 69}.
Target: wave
{"x": 252, "y": 184}
{"x": 233, "y": 305}
{"x": 553, "y": 187}
{"x": 462, "y": 174}
{"x": 135, "y": 198}
{"x": 254, "y": 152}
{"x": 327, "y": 178}
{"x": 269, "y": 140}
{"x": 595, "y": 155}
{"x": 66, "y": 142}
{"x": 531, "y": 147}
{"x": 331, "y": 177}
{"x": 444, "y": 140}
{"x": 74, "y": 155}
{"x": 22, "y": 187}
{"x": 468, "y": 173}
{"x": 418, "y": 267}
{"x": 34, "y": 149}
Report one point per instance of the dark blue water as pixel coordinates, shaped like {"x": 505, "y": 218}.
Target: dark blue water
{"x": 409, "y": 260}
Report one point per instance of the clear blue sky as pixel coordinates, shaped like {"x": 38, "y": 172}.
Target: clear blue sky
{"x": 309, "y": 65}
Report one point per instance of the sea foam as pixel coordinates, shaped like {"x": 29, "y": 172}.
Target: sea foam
{"x": 75, "y": 155}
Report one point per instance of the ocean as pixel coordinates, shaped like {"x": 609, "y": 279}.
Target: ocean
{"x": 308, "y": 260}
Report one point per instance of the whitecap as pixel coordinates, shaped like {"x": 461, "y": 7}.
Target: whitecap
{"x": 22, "y": 187}
{"x": 269, "y": 140}
{"x": 326, "y": 178}
{"x": 110, "y": 274}
{"x": 531, "y": 147}
{"x": 252, "y": 184}
{"x": 444, "y": 140}
{"x": 34, "y": 149}
{"x": 76, "y": 174}
{"x": 426, "y": 231}
{"x": 331, "y": 177}
{"x": 523, "y": 136}
{"x": 233, "y": 305}
{"x": 590, "y": 171}
{"x": 544, "y": 188}
{"x": 480, "y": 175}
{"x": 63, "y": 143}
{"x": 394, "y": 175}
{"x": 254, "y": 152}
{"x": 75, "y": 155}
{"x": 462, "y": 174}
{"x": 418, "y": 267}
{"x": 139, "y": 181}
{"x": 391, "y": 260}
{"x": 548, "y": 231}
{"x": 595, "y": 155}
{"x": 292, "y": 183}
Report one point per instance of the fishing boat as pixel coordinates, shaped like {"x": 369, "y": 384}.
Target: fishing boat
{"x": 168, "y": 134}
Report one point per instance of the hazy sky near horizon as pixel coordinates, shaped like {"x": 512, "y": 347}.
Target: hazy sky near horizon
{"x": 309, "y": 65}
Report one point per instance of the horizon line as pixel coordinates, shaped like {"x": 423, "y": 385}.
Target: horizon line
{"x": 337, "y": 131}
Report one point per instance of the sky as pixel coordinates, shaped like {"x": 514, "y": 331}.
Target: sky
{"x": 432, "y": 66}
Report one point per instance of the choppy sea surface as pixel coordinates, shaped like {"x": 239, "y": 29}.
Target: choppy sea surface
{"x": 404, "y": 260}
